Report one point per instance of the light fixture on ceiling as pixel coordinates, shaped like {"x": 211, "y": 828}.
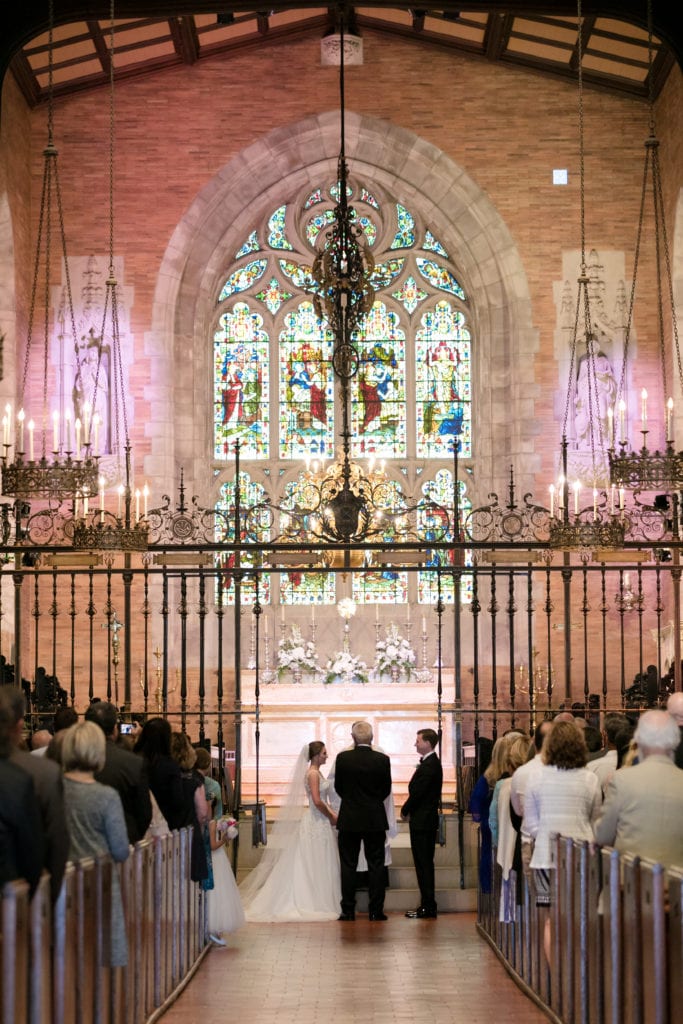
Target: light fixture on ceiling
{"x": 100, "y": 529}
{"x": 55, "y": 458}
{"x": 602, "y": 523}
{"x": 639, "y": 467}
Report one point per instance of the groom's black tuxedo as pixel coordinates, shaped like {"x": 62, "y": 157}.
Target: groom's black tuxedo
{"x": 362, "y": 778}
{"x": 422, "y": 807}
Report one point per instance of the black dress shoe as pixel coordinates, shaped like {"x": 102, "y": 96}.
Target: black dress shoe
{"x": 346, "y": 917}
{"x": 420, "y": 913}
{"x": 378, "y": 917}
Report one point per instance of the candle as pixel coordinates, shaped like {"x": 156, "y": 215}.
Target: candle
{"x": 595, "y": 503}
{"x": 137, "y": 504}
{"x": 669, "y": 420}
{"x": 87, "y": 409}
{"x": 282, "y": 614}
{"x": 643, "y": 408}
{"x": 577, "y": 488}
{"x": 145, "y": 496}
{"x": 21, "y": 416}
{"x": 55, "y": 431}
{"x": 119, "y": 491}
{"x": 552, "y": 500}
{"x": 408, "y": 614}
{"x": 376, "y": 613}
{"x": 76, "y": 505}
{"x": 313, "y": 615}
{"x": 77, "y": 427}
{"x": 101, "y": 483}
{"x": 96, "y": 430}
{"x": 627, "y": 580}
{"x": 560, "y": 493}
{"x": 7, "y": 424}
{"x": 424, "y": 626}
{"x": 85, "y": 502}
{"x": 31, "y": 428}
{"x": 621, "y": 498}
{"x": 67, "y": 420}
{"x": 622, "y": 421}
{"x": 5, "y": 439}
{"x": 611, "y": 500}
{"x": 610, "y": 426}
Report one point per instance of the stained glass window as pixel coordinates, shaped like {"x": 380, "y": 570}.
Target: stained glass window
{"x": 241, "y": 385}
{"x": 378, "y": 391}
{"x": 306, "y": 386}
{"x": 254, "y": 529}
{"x": 435, "y": 524}
{"x": 410, "y": 396}
{"x": 443, "y": 405}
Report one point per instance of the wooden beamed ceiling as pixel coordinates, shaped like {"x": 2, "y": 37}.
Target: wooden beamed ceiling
{"x": 541, "y": 37}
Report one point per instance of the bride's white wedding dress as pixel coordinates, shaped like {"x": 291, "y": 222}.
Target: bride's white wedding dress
{"x": 299, "y": 881}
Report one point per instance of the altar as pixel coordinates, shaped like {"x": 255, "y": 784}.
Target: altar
{"x": 292, "y": 714}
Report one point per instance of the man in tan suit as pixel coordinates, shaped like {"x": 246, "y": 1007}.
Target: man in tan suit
{"x": 643, "y": 809}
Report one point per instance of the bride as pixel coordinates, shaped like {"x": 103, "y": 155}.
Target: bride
{"x": 297, "y": 878}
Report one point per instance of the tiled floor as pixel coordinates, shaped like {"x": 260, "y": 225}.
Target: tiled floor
{"x": 398, "y": 972}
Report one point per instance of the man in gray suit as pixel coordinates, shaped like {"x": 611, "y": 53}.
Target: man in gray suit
{"x": 643, "y": 809}
{"x": 47, "y": 780}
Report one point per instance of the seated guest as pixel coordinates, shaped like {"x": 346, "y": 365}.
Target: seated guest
{"x": 643, "y": 809}
{"x": 21, "y": 829}
{"x": 124, "y": 771}
{"x": 96, "y": 821}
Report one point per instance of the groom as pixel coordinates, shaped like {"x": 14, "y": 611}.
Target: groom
{"x": 362, "y": 778}
{"x": 421, "y": 809}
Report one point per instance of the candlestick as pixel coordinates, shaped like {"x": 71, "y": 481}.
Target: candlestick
{"x": 643, "y": 408}
{"x": 669, "y": 420}
{"x": 55, "y": 432}
{"x": 20, "y": 419}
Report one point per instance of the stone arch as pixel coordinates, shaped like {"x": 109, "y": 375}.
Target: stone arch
{"x": 289, "y": 158}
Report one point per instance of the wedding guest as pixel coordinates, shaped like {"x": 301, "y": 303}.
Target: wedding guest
{"x": 674, "y": 706}
{"x": 480, "y": 805}
{"x": 505, "y": 836}
{"x": 123, "y": 771}
{"x": 643, "y": 809}
{"x": 224, "y": 906}
{"x": 21, "y": 829}
{"x": 605, "y": 766}
{"x": 165, "y": 782}
{"x": 40, "y": 742}
{"x": 96, "y": 821}
{"x": 195, "y": 810}
{"x": 212, "y": 788}
{"x": 49, "y": 788}
{"x": 564, "y": 798}
{"x": 421, "y": 810}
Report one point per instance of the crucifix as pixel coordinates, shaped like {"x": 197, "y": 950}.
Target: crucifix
{"x": 114, "y": 626}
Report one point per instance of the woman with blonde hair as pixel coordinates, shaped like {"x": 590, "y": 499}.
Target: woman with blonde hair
{"x": 95, "y": 819}
{"x": 503, "y": 834}
{"x": 480, "y": 803}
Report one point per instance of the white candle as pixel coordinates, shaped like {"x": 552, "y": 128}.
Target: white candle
{"x": 622, "y": 421}
{"x": 577, "y": 488}
{"x": 424, "y": 626}
{"x": 5, "y": 439}
{"x": 77, "y": 427}
{"x": 621, "y": 498}
{"x": 137, "y": 504}
{"x": 96, "y": 430}
{"x": 31, "y": 428}
{"x": 87, "y": 409}
{"x": 611, "y": 500}
{"x": 552, "y": 500}
{"x": 55, "y": 431}
{"x": 610, "y": 426}
{"x": 21, "y": 416}
{"x": 560, "y": 493}
{"x": 313, "y": 615}
{"x": 85, "y": 502}
{"x": 376, "y": 613}
{"x": 595, "y": 503}
{"x": 627, "y": 580}
{"x": 643, "y": 408}
{"x": 119, "y": 492}
{"x": 7, "y": 424}
{"x": 669, "y": 419}
{"x": 408, "y": 614}
{"x": 101, "y": 482}
{"x": 145, "y": 496}
{"x": 67, "y": 420}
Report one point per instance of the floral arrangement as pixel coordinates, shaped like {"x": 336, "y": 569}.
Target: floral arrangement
{"x": 296, "y": 655}
{"x": 227, "y": 828}
{"x": 344, "y": 667}
{"x": 395, "y": 656}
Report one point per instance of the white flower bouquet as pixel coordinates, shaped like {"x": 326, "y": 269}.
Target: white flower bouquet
{"x": 394, "y": 656}
{"x": 227, "y": 828}
{"x": 344, "y": 667}
{"x": 296, "y": 655}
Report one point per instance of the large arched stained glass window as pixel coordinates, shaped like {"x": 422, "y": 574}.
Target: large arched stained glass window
{"x": 274, "y": 388}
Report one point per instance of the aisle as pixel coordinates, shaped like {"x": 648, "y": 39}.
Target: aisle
{"x": 399, "y": 972}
